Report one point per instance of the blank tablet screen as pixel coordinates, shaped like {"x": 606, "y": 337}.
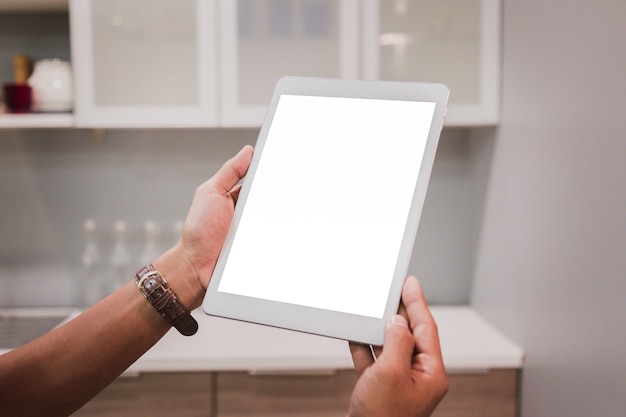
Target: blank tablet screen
{"x": 327, "y": 209}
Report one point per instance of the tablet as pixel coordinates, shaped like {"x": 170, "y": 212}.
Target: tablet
{"x": 325, "y": 222}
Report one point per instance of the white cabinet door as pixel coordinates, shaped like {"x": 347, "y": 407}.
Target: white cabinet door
{"x": 455, "y": 42}
{"x": 263, "y": 40}
{"x": 144, "y": 63}
{"x": 155, "y": 63}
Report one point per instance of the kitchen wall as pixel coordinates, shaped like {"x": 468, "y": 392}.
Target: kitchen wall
{"x": 52, "y": 180}
{"x": 551, "y": 270}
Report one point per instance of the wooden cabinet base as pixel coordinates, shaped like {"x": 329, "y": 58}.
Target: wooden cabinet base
{"x": 489, "y": 394}
{"x": 238, "y": 394}
{"x": 184, "y": 394}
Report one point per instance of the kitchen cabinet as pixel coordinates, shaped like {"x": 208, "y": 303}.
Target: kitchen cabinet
{"x": 210, "y": 63}
{"x": 260, "y": 371}
{"x": 488, "y": 394}
{"x": 147, "y": 64}
{"x": 180, "y": 394}
{"x": 493, "y": 393}
{"x": 262, "y": 40}
{"x": 232, "y": 368}
{"x": 143, "y": 63}
{"x": 240, "y": 394}
{"x": 455, "y": 42}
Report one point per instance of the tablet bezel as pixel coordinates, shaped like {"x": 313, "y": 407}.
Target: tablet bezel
{"x": 313, "y": 320}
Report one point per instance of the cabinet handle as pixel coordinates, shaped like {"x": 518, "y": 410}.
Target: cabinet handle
{"x": 295, "y": 372}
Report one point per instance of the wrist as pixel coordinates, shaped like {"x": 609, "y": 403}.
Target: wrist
{"x": 181, "y": 277}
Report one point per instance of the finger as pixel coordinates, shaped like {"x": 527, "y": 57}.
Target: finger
{"x": 234, "y": 193}
{"x": 399, "y": 343}
{"x": 402, "y": 311}
{"x": 421, "y": 320}
{"x": 232, "y": 171}
{"x": 361, "y": 356}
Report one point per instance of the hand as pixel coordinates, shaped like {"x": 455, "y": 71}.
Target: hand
{"x": 206, "y": 226}
{"x": 408, "y": 378}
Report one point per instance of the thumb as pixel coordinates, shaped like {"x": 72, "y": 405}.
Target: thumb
{"x": 399, "y": 343}
{"x": 231, "y": 171}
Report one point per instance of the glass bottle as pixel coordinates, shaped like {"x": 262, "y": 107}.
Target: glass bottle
{"x": 120, "y": 271}
{"x": 90, "y": 274}
{"x": 150, "y": 249}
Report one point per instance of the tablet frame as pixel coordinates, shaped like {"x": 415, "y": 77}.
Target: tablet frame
{"x": 313, "y": 320}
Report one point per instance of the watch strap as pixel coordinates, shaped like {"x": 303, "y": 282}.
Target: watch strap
{"x": 154, "y": 288}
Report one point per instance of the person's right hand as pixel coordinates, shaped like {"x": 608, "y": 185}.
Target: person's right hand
{"x": 408, "y": 379}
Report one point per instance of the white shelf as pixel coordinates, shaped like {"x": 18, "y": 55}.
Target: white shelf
{"x": 36, "y": 121}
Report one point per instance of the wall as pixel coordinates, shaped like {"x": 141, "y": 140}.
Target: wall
{"x": 550, "y": 270}
{"x": 52, "y": 180}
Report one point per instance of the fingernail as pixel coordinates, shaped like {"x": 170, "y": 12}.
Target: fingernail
{"x": 398, "y": 320}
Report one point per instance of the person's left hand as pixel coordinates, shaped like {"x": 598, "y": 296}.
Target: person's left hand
{"x": 207, "y": 224}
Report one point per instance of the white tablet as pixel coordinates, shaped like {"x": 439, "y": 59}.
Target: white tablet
{"x": 328, "y": 212}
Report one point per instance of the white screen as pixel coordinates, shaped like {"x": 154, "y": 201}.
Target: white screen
{"x": 328, "y": 205}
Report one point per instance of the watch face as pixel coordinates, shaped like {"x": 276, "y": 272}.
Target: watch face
{"x": 150, "y": 284}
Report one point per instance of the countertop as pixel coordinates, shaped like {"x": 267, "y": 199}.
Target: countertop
{"x": 469, "y": 344}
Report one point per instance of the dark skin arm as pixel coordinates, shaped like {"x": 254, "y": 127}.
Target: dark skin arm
{"x": 59, "y": 372}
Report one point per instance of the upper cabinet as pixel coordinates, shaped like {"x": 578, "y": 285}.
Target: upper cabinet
{"x": 147, "y": 63}
{"x": 263, "y": 40}
{"x": 144, "y": 63}
{"x": 208, "y": 63}
{"x": 455, "y": 42}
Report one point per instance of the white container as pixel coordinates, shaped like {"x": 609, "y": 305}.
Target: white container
{"x": 52, "y": 86}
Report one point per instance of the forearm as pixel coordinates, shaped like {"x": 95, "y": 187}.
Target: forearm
{"x": 58, "y": 373}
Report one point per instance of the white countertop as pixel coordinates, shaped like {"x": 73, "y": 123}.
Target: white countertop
{"x": 468, "y": 342}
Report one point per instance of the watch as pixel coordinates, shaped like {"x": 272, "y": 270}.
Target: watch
{"x": 155, "y": 289}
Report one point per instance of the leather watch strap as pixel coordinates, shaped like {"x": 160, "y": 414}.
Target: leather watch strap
{"x": 155, "y": 289}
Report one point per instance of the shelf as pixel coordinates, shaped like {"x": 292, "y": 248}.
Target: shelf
{"x": 12, "y": 6}
{"x": 36, "y": 121}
